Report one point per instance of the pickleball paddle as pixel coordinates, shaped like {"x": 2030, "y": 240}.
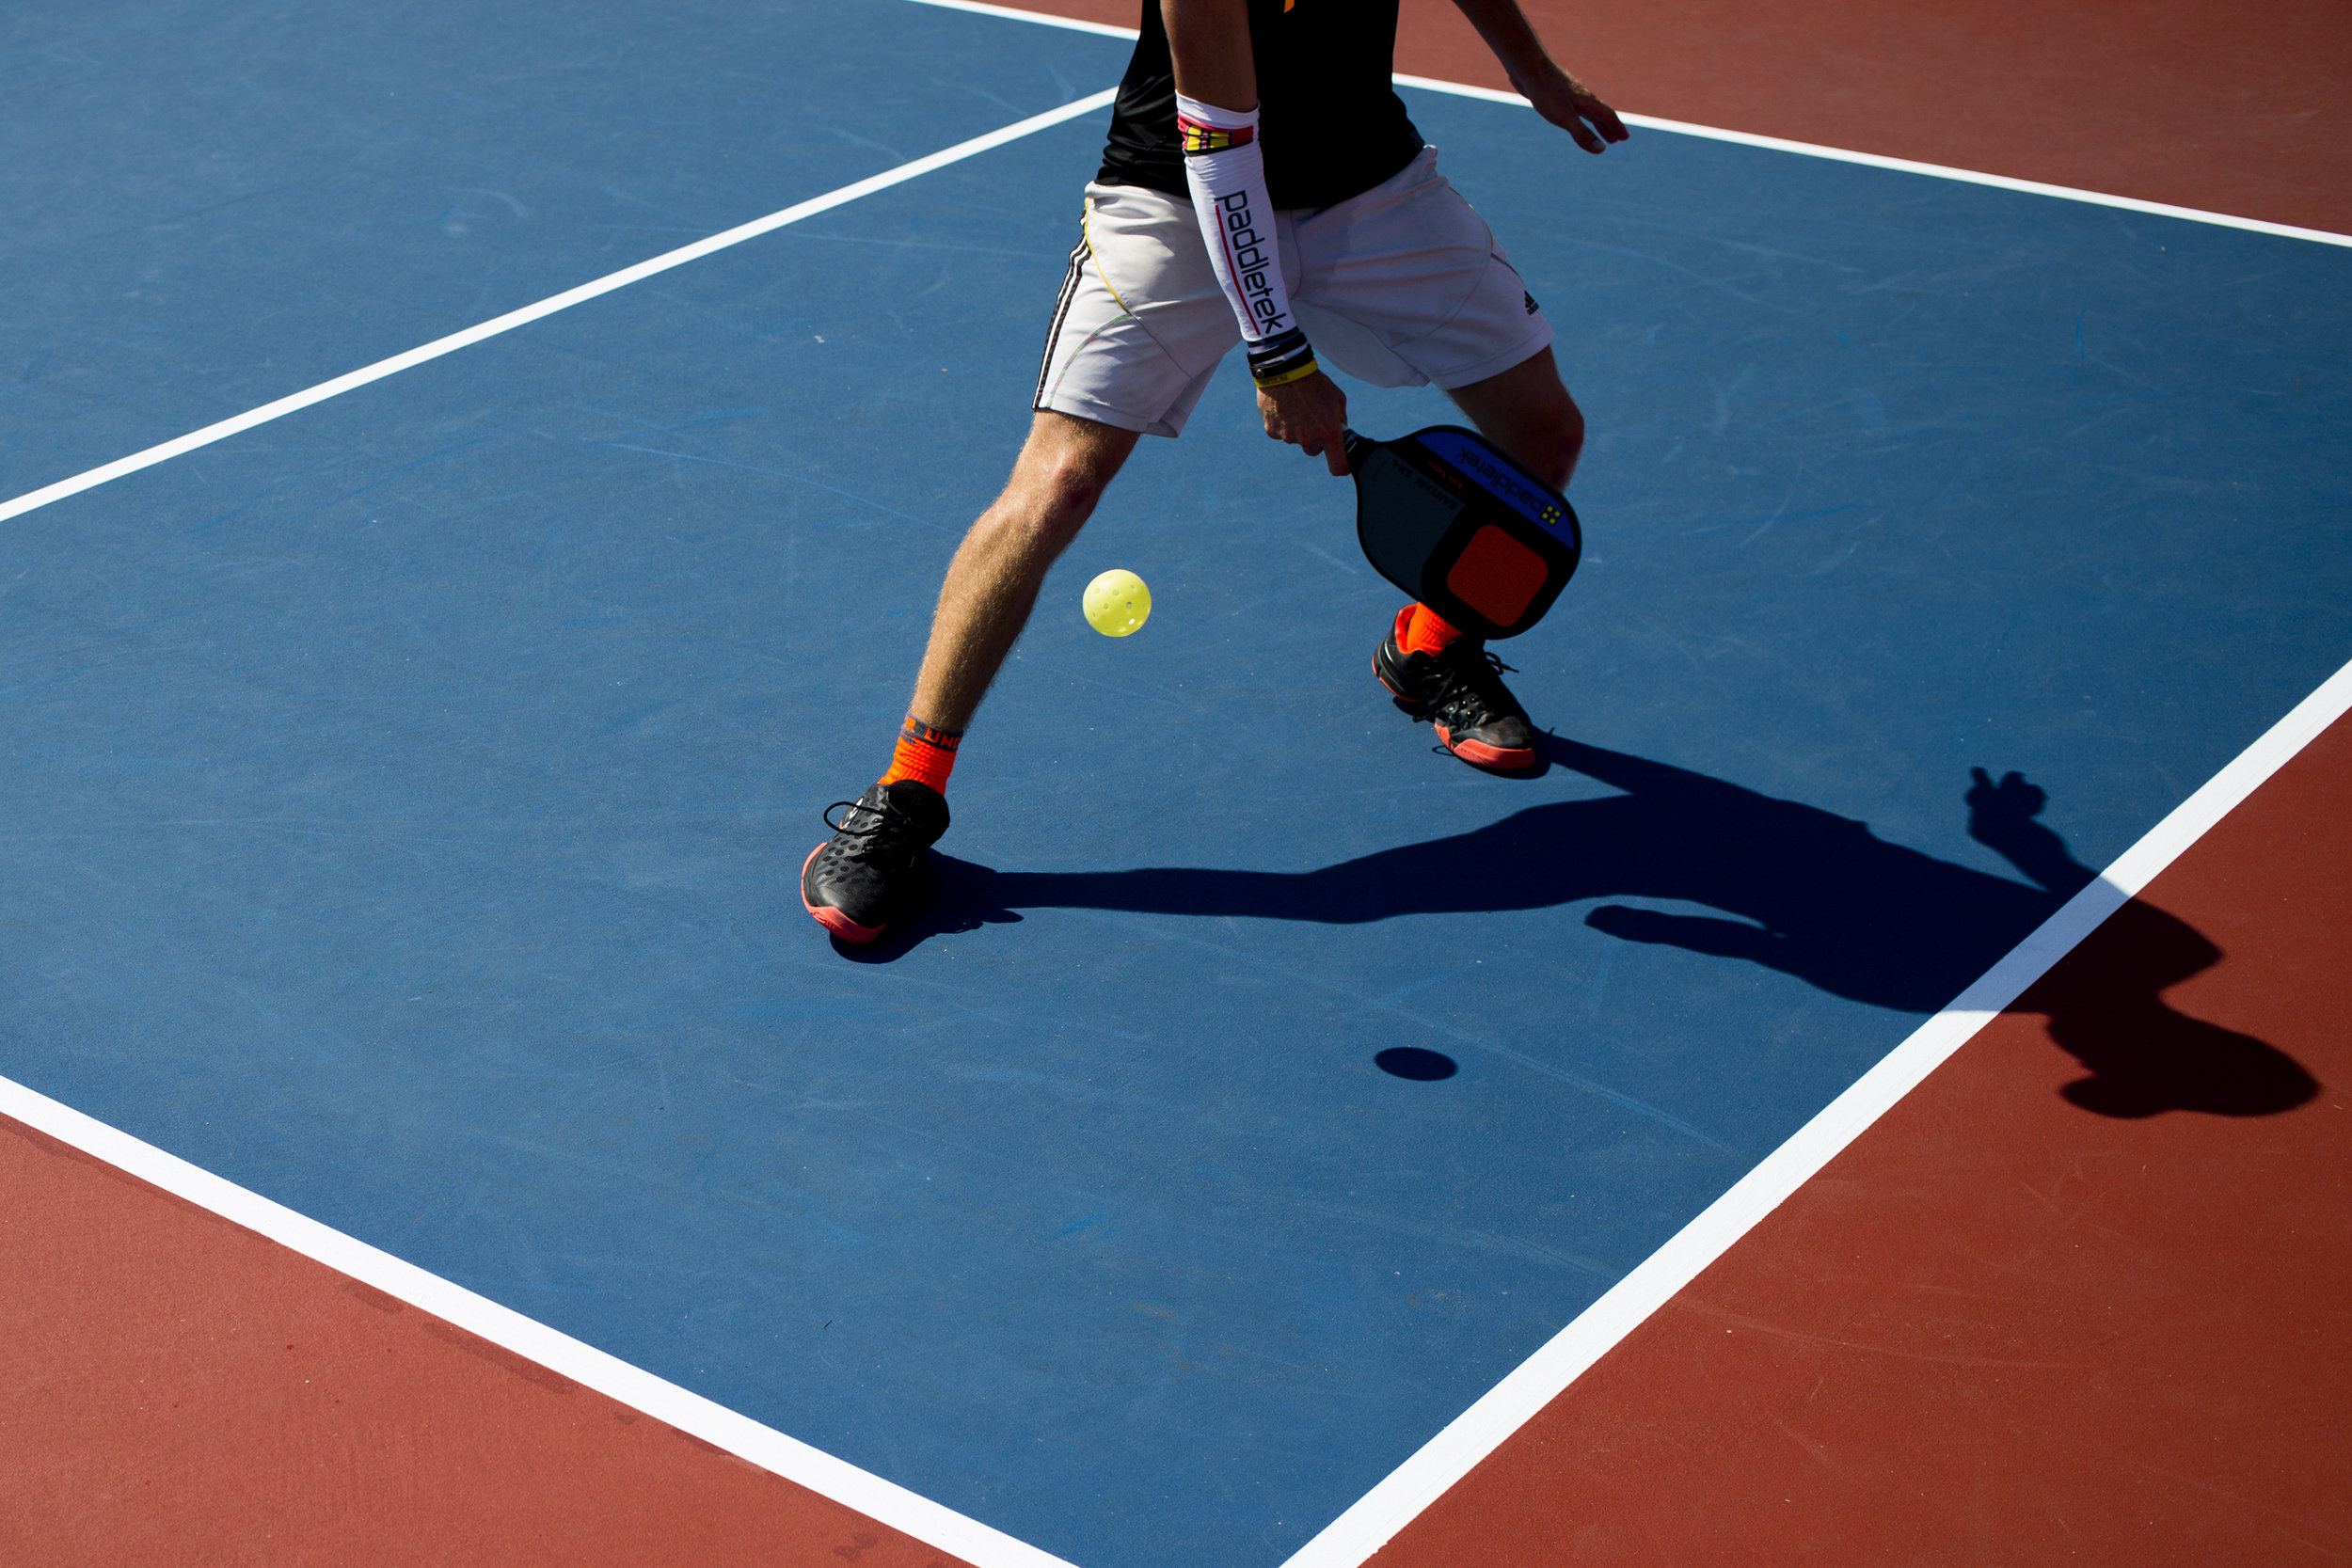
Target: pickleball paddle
{"x": 1463, "y": 529}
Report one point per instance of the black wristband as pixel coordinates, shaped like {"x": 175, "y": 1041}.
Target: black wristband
{"x": 1285, "y": 356}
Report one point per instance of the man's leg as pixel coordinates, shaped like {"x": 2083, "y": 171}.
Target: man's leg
{"x": 1434, "y": 672}
{"x": 857, "y": 882}
{"x": 1528, "y": 414}
{"x": 992, "y": 583}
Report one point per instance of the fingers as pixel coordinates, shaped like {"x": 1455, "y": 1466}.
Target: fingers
{"x": 1604, "y": 120}
{"x": 1325, "y": 444}
{"x": 1310, "y": 415}
{"x": 1580, "y": 105}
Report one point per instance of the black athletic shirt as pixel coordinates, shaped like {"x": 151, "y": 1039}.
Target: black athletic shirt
{"x": 1331, "y": 125}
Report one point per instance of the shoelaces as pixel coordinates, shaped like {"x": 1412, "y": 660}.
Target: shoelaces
{"x": 868, "y": 837}
{"x": 1474, "y": 671}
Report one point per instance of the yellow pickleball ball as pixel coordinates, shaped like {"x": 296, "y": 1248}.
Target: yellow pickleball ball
{"x": 1117, "y": 603}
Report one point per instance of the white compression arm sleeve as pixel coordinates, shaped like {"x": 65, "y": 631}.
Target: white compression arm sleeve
{"x": 1226, "y": 171}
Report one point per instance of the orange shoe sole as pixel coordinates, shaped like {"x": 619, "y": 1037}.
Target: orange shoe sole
{"x": 832, "y": 919}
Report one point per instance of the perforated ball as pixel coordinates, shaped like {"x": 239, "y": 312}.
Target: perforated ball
{"x": 1117, "y": 603}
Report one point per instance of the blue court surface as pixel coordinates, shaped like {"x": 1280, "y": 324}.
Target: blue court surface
{"x": 403, "y": 797}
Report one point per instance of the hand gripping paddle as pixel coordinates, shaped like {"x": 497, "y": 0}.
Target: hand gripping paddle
{"x": 1462, "y": 528}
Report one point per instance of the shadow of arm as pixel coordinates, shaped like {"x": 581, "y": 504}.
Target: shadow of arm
{"x": 2001, "y": 817}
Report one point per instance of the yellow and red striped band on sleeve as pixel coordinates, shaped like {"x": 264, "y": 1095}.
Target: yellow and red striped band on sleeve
{"x": 1198, "y": 137}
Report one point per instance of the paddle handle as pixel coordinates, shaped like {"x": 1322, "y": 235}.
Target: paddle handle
{"x": 1355, "y": 446}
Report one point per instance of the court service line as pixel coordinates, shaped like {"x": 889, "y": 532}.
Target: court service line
{"x": 1445, "y": 1459}
{"x": 352, "y": 380}
{"x": 1750, "y": 138}
{"x": 934, "y": 1524}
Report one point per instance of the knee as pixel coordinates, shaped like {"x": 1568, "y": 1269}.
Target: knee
{"x": 1563, "y": 441}
{"x": 1070, "y": 487}
{"x": 1061, "y": 494}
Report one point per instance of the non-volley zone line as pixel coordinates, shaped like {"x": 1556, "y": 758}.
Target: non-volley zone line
{"x": 426, "y": 353}
{"x": 1750, "y": 138}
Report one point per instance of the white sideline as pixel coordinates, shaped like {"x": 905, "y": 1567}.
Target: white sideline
{"x": 931, "y": 1523}
{"x": 1749, "y": 138}
{"x": 294, "y": 403}
{"x": 1374, "y": 1518}
{"x": 1348, "y": 1541}
{"x": 1445, "y": 1459}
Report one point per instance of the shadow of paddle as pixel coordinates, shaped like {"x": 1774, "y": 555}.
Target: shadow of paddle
{"x": 1793, "y": 888}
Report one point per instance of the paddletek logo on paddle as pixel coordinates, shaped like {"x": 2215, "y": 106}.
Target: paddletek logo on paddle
{"x": 1536, "y": 502}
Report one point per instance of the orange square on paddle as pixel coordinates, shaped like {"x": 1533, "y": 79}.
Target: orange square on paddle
{"x": 1497, "y": 576}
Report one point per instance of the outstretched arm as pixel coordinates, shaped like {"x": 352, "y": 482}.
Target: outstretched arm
{"x": 2001, "y": 817}
{"x": 1559, "y": 97}
{"x": 1217, "y": 110}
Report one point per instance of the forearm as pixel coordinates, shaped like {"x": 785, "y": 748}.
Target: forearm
{"x": 1216, "y": 117}
{"x": 1510, "y": 35}
{"x": 1557, "y": 96}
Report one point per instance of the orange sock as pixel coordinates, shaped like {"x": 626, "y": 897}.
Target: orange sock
{"x": 923, "y": 754}
{"x": 1429, "y": 632}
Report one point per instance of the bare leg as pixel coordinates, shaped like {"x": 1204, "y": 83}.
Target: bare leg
{"x": 992, "y": 584}
{"x": 1528, "y": 414}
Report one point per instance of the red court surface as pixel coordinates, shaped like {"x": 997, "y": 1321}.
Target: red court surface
{"x": 1995, "y": 1329}
{"x": 1998, "y": 1328}
{"x": 2242, "y": 109}
{"x": 180, "y": 1390}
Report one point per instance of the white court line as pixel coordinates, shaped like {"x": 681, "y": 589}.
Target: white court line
{"x": 892, "y": 1505}
{"x": 1749, "y": 138}
{"x": 1100, "y": 29}
{"x": 1445, "y": 1459}
{"x": 1442, "y": 1462}
{"x": 932, "y": 1522}
{"x": 1904, "y": 166}
{"x": 238, "y": 424}
{"x": 1422, "y": 1479}
{"x": 1375, "y": 1518}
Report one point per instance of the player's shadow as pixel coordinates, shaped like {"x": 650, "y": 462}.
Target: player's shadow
{"x": 1795, "y": 888}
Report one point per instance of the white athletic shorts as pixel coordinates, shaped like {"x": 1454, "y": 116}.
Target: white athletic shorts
{"x": 1401, "y": 286}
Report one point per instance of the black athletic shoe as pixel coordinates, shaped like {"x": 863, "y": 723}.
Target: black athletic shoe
{"x": 1461, "y": 692}
{"x": 862, "y": 879}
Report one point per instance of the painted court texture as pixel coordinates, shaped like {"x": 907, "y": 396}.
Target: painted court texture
{"x": 403, "y": 796}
